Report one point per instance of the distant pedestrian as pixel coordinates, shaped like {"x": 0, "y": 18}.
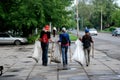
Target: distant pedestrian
{"x": 54, "y": 31}
{"x": 45, "y": 38}
{"x": 65, "y": 41}
{"x": 87, "y": 40}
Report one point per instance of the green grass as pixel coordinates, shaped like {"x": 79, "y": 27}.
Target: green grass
{"x": 73, "y": 37}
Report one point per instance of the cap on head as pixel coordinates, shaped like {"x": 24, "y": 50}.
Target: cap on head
{"x": 63, "y": 29}
{"x": 54, "y": 28}
{"x": 86, "y": 30}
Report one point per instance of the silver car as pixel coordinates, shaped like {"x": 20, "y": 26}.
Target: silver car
{"x": 6, "y": 38}
{"x": 93, "y": 31}
{"x": 116, "y": 32}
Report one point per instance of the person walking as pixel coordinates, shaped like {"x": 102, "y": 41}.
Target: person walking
{"x": 44, "y": 39}
{"x": 54, "y": 31}
{"x": 87, "y": 40}
{"x": 65, "y": 41}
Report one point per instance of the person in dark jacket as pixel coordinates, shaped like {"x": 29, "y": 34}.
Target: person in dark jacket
{"x": 44, "y": 39}
{"x": 65, "y": 41}
{"x": 87, "y": 40}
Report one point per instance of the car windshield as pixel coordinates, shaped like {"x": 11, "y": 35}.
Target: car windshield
{"x": 92, "y": 29}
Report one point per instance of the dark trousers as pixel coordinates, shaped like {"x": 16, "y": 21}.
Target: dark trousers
{"x": 44, "y": 47}
{"x": 64, "y": 54}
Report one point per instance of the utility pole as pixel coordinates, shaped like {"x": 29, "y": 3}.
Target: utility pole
{"x": 77, "y": 18}
{"x": 50, "y": 24}
{"x": 101, "y": 20}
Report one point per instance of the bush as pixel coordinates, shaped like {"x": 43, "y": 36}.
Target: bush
{"x": 112, "y": 28}
{"x": 109, "y": 29}
{"x": 73, "y": 37}
{"x": 32, "y": 39}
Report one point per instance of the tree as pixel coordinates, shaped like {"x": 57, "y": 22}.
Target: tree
{"x": 26, "y": 15}
{"x": 107, "y": 7}
{"x": 90, "y": 12}
{"x": 116, "y": 18}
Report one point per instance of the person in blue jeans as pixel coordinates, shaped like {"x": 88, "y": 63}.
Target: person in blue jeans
{"x": 65, "y": 41}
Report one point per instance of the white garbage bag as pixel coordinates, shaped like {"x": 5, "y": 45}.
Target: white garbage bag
{"x": 36, "y": 53}
{"x": 78, "y": 54}
{"x": 56, "y": 55}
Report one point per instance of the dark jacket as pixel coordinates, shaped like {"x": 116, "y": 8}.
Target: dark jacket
{"x": 66, "y": 35}
{"x": 87, "y": 40}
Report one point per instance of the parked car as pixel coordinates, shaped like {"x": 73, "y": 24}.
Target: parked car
{"x": 6, "y": 38}
{"x": 116, "y": 32}
{"x": 93, "y": 31}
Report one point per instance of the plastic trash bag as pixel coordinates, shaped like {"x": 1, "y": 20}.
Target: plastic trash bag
{"x": 56, "y": 55}
{"x": 36, "y": 52}
{"x": 78, "y": 54}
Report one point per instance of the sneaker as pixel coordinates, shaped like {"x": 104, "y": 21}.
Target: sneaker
{"x": 44, "y": 64}
{"x": 65, "y": 67}
{"x": 1, "y": 70}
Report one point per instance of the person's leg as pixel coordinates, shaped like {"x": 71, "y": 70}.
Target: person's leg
{"x": 46, "y": 54}
{"x": 88, "y": 51}
{"x": 66, "y": 58}
{"x": 63, "y": 55}
{"x": 43, "y": 49}
{"x": 86, "y": 58}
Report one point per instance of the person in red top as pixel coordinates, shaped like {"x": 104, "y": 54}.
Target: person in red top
{"x": 44, "y": 39}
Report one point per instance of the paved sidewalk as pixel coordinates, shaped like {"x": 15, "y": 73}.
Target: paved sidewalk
{"x": 18, "y": 66}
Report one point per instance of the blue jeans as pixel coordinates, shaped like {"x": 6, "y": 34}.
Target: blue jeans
{"x": 64, "y": 54}
{"x": 44, "y": 47}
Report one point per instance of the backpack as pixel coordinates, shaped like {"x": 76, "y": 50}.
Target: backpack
{"x": 64, "y": 40}
{"x": 45, "y": 38}
{"x": 86, "y": 43}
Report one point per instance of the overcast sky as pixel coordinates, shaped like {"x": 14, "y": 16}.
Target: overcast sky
{"x": 118, "y": 1}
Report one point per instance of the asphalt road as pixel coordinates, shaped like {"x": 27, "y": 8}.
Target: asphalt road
{"x": 106, "y": 43}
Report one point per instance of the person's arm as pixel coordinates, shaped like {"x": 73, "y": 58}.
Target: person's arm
{"x": 49, "y": 37}
{"x": 91, "y": 40}
{"x": 69, "y": 40}
{"x": 82, "y": 39}
{"x": 41, "y": 34}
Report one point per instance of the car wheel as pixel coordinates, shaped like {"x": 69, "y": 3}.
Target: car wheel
{"x": 17, "y": 42}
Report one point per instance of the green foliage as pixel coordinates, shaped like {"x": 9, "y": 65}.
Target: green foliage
{"x": 73, "y": 37}
{"x": 112, "y": 28}
{"x": 116, "y": 17}
{"x": 27, "y": 15}
{"x": 90, "y": 14}
{"x": 32, "y": 39}
{"x": 30, "y": 14}
{"x": 109, "y": 29}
